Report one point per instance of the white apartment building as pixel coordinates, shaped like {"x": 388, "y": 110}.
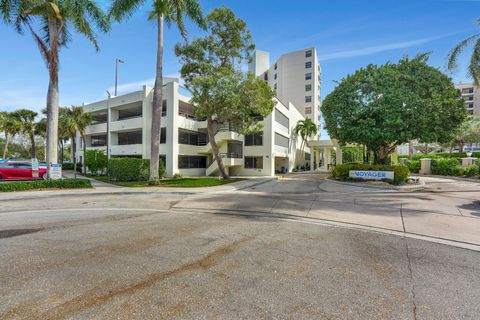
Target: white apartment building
{"x": 471, "y": 95}
{"x": 124, "y": 123}
{"x": 295, "y": 77}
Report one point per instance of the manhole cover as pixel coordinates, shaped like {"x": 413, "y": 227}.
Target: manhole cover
{"x": 16, "y": 232}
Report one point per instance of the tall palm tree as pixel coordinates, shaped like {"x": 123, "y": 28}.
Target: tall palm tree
{"x": 28, "y": 126}
{"x": 306, "y": 129}
{"x": 54, "y": 18}
{"x": 474, "y": 64}
{"x": 173, "y": 12}
{"x": 10, "y": 126}
{"x": 77, "y": 120}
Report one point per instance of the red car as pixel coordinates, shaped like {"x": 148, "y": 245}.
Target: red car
{"x": 16, "y": 170}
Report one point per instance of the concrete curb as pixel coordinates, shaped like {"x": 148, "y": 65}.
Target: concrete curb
{"x": 421, "y": 186}
{"x": 449, "y": 177}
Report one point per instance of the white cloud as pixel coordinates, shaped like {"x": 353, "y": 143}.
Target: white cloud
{"x": 379, "y": 48}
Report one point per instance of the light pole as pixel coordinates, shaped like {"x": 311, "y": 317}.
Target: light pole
{"x": 108, "y": 134}
{"x": 117, "y": 61}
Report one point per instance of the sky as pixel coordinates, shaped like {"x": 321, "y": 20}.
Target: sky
{"x": 348, "y": 35}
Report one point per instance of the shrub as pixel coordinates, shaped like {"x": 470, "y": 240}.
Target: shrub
{"x": 352, "y": 154}
{"x": 67, "y": 166}
{"x": 132, "y": 169}
{"x": 447, "y": 167}
{"x": 413, "y": 165}
{"x": 11, "y": 186}
{"x": 471, "y": 171}
{"x": 342, "y": 171}
{"x": 443, "y": 155}
{"x": 96, "y": 161}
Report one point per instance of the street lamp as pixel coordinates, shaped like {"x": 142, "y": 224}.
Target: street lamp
{"x": 117, "y": 61}
{"x": 108, "y": 134}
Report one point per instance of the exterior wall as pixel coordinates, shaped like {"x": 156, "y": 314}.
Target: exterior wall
{"x": 475, "y": 96}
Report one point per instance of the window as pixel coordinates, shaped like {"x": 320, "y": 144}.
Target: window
{"x": 308, "y": 110}
{"x": 275, "y": 76}
{"x": 99, "y": 141}
{"x": 164, "y": 108}
{"x": 254, "y": 139}
{"x": 130, "y": 113}
{"x": 470, "y": 105}
{"x": 193, "y": 138}
{"x": 163, "y": 158}
{"x": 275, "y": 86}
{"x": 265, "y": 76}
{"x": 163, "y": 135}
{"x": 235, "y": 150}
{"x": 467, "y": 90}
{"x": 470, "y": 98}
{"x": 308, "y": 98}
{"x": 253, "y": 162}
{"x": 282, "y": 119}
{"x": 275, "y": 66}
{"x": 307, "y": 156}
{"x": 308, "y": 87}
{"x": 133, "y": 137}
{"x": 192, "y": 162}
{"x": 308, "y": 76}
{"x": 308, "y": 65}
{"x": 281, "y": 141}
{"x": 308, "y": 53}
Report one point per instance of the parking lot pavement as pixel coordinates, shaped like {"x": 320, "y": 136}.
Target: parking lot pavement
{"x": 120, "y": 263}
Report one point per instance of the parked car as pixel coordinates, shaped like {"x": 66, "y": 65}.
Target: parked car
{"x": 20, "y": 170}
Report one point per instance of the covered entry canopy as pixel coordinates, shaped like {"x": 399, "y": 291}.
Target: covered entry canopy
{"x": 321, "y": 154}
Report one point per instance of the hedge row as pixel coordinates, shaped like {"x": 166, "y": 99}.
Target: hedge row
{"x": 444, "y": 155}
{"x": 452, "y": 167}
{"x": 45, "y": 184}
{"x": 341, "y": 171}
{"x": 132, "y": 169}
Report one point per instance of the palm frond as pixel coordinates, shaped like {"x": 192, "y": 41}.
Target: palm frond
{"x": 453, "y": 55}
{"x": 121, "y": 9}
{"x": 474, "y": 66}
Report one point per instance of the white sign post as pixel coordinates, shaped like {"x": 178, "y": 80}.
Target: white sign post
{"x": 55, "y": 171}
{"x": 371, "y": 175}
{"x": 34, "y": 168}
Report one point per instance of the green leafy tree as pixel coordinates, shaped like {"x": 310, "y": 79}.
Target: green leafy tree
{"x": 474, "y": 65}
{"x": 54, "y": 19}
{"x": 96, "y": 161}
{"x": 388, "y": 105}
{"x": 10, "y": 126}
{"x": 28, "y": 127}
{"x": 305, "y": 129}
{"x": 173, "y": 12}
{"x": 74, "y": 120}
{"x": 221, "y": 92}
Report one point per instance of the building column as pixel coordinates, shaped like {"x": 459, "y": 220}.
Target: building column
{"x": 312, "y": 157}
{"x": 338, "y": 155}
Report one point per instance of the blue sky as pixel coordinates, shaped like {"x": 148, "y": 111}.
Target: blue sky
{"x": 348, "y": 34}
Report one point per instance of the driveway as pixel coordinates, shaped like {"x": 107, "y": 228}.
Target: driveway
{"x": 255, "y": 253}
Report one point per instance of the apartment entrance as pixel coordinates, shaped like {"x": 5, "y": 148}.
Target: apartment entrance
{"x": 281, "y": 165}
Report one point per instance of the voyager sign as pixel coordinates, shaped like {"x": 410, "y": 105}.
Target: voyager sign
{"x": 371, "y": 175}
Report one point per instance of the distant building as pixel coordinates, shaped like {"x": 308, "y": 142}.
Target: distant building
{"x": 471, "y": 95}
{"x": 295, "y": 77}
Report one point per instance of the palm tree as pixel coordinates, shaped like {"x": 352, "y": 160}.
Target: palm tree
{"x": 10, "y": 126}
{"x": 306, "y": 129}
{"x": 54, "y": 18}
{"x": 173, "y": 12}
{"x": 76, "y": 120}
{"x": 474, "y": 65}
{"x": 28, "y": 126}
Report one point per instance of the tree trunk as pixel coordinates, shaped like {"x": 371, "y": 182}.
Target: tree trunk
{"x": 84, "y": 168}
{"x": 157, "y": 106}
{"x": 410, "y": 149}
{"x": 380, "y": 155}
{"x": 53, "y": 94}
{"x": 5, "y": 147}
{"x": 215, "y": 151}
{"x": 33, "y": 149}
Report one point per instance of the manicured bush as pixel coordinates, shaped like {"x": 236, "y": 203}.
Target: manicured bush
{"x": 132, "y": 169}
{"x": 11, "y": 186}
{"x": 341, "y": 171}
{"x": 443, "y": 155}
{"x": 413, "y": 165}
{"x": 452, "y": 167}
{"x": 67, "y": 166}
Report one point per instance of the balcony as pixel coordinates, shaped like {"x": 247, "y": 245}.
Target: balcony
{"x": 96, "y": 128}
{"x": 127, "y": 124}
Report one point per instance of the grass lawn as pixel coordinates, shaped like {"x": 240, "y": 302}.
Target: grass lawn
{"x": 174, "y": 183}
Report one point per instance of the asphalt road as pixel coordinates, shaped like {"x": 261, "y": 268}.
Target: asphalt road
{"x": 137, "y": 257}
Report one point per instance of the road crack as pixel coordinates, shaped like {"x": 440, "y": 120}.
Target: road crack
{"x": 412, "y": 286}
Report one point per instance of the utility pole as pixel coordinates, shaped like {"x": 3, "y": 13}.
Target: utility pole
{"x": 117, "y": 61}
